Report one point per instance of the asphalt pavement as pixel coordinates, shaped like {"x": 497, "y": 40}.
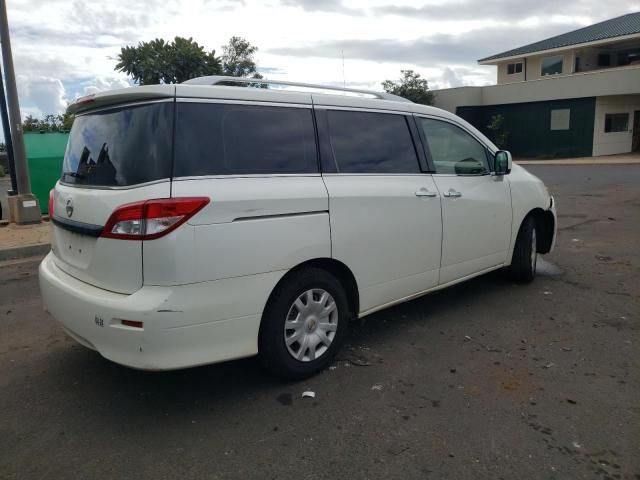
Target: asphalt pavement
{"x": 487, "y": 379}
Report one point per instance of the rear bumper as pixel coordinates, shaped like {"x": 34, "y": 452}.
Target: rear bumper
{"x": 183, "y": 326}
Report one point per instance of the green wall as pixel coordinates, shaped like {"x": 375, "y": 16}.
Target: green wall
{"x": 528, "y": 127}
{"x": 45, "y": 152}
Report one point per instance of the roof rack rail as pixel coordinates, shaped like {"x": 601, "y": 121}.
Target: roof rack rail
{"x": 220, "y": 79}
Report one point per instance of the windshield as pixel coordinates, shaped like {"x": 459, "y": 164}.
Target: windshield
{"x": 120, "y": 147}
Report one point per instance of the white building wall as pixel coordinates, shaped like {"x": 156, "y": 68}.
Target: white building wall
{"x": 615, "y": 81}
{"x": 503, "y": 72}
{"x": 451, "y": 98}
{"x": 614, "y": 142}
{"x": 532, "y": 67}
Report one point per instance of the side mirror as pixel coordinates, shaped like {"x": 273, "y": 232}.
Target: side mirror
{"x": 503, "y": 162}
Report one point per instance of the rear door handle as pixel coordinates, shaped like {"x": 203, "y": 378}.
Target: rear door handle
{"x": 452, "y": 194}
{"x": 423, "y": 192}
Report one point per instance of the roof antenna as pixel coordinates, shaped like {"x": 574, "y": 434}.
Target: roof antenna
{"x": 344, "y": 82}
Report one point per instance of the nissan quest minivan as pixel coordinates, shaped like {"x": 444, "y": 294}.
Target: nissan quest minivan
{"x": 203, "y": 222}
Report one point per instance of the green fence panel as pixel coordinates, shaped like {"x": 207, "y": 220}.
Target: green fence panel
{"x": 528, "y": 127}
{"x": 45, "y": 152}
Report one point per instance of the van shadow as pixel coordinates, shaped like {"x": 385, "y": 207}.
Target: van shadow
{"x": 429, "y": 310}
{"x": 90, "y": 379}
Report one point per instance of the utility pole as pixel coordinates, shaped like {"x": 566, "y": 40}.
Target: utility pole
{"x": 6, "y": 130}
{"x": 23, "y": 207}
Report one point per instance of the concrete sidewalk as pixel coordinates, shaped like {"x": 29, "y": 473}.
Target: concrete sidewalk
{"x": 622, "y": 159}
{"x": 18, "y": 241}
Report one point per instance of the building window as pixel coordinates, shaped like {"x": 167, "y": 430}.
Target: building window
{"x": 616, "y": 122}
{"x": 514, "y": 68}
{"x": 560, "y": 119}
{"x": 629, "y": 57}
{"x": 551, "y": 65}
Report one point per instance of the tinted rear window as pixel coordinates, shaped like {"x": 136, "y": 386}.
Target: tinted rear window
{"x": 365, "y": 142}
{"x": 120, "y": 147}
{"x": 228, "y": 139}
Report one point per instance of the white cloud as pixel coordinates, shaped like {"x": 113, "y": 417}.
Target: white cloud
{"x": 102, "y": 84}
{"x": 25, "y": 112}
{"x": 66, "y": 48}
{"x": 44, "y": 94}
{"x": 451, "y": 79}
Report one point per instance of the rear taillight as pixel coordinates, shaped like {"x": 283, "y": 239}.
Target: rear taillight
{"x": 152, "y": 218}
{"x": 51, "y": 200}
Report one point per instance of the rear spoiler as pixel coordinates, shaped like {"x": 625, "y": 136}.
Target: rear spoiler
{"x": 121, "y": 95}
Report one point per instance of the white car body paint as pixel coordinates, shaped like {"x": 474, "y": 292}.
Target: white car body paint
{"x": 201, "y": 290}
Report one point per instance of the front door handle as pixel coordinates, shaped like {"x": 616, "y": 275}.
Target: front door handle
{"x": 452, "y": 194}
{"x": 423, "y": 192}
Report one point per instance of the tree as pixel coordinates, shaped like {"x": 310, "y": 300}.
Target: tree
{"x": 237, "y": 58}
{"x": 30, "y": 124}
{"x": 67, "y": 121}
{"x": 500, "y": 135}
{"x": 50, "y": 123}
{"x": 411, "y": 87}
{"x": 159, "y": 61}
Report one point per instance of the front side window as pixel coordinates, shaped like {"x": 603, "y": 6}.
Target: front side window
{"x": 230, "y": 139}
{"x": 551, "y": 65}
{"x": 514, "y": 68}
{"x": 616, "y": 122}
{"x": 454, "y": 151}
{"x": 120, "y": 146}
{"x": 366, "y": 142}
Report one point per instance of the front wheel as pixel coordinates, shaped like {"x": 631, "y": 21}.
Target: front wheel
{"x": 525, "y": 253}
{"x": 304, "y": 324}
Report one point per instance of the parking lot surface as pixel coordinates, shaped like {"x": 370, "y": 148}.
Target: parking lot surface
{"x": 487, "y": 379}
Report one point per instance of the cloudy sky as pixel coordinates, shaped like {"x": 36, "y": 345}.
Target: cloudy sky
{"x": 67, "y": 48}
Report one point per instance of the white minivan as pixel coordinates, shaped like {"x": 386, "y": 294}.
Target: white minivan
{"x": 208, "y": 221}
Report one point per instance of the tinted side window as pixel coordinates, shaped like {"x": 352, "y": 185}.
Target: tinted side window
{"x": 365, "y": 142}
{"x": 227, "y": 139}
{"x": 453, "y": 150}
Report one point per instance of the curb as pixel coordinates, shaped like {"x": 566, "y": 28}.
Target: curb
{"x": 24, "y": 251}
{"x": 576, "y": 162}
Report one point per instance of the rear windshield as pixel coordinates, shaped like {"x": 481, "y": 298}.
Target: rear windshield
{"x": 120, "y": 147}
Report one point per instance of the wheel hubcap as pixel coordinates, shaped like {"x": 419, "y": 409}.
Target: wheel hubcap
{"x": 534, "y": 252}
{"x": 311, "y": 325}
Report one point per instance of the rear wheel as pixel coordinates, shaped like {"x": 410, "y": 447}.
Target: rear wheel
{"x": 525, "y": 253}
{"x": 304, "y": 324}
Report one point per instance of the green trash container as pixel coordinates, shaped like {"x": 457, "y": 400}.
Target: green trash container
{"x": 45, "y": 152}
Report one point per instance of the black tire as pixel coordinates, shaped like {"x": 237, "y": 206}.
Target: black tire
{"x": 523, "y": 263}
{"x": 273, "y": 351}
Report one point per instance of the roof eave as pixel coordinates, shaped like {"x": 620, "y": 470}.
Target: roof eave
{"x": 494, "y": 61}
